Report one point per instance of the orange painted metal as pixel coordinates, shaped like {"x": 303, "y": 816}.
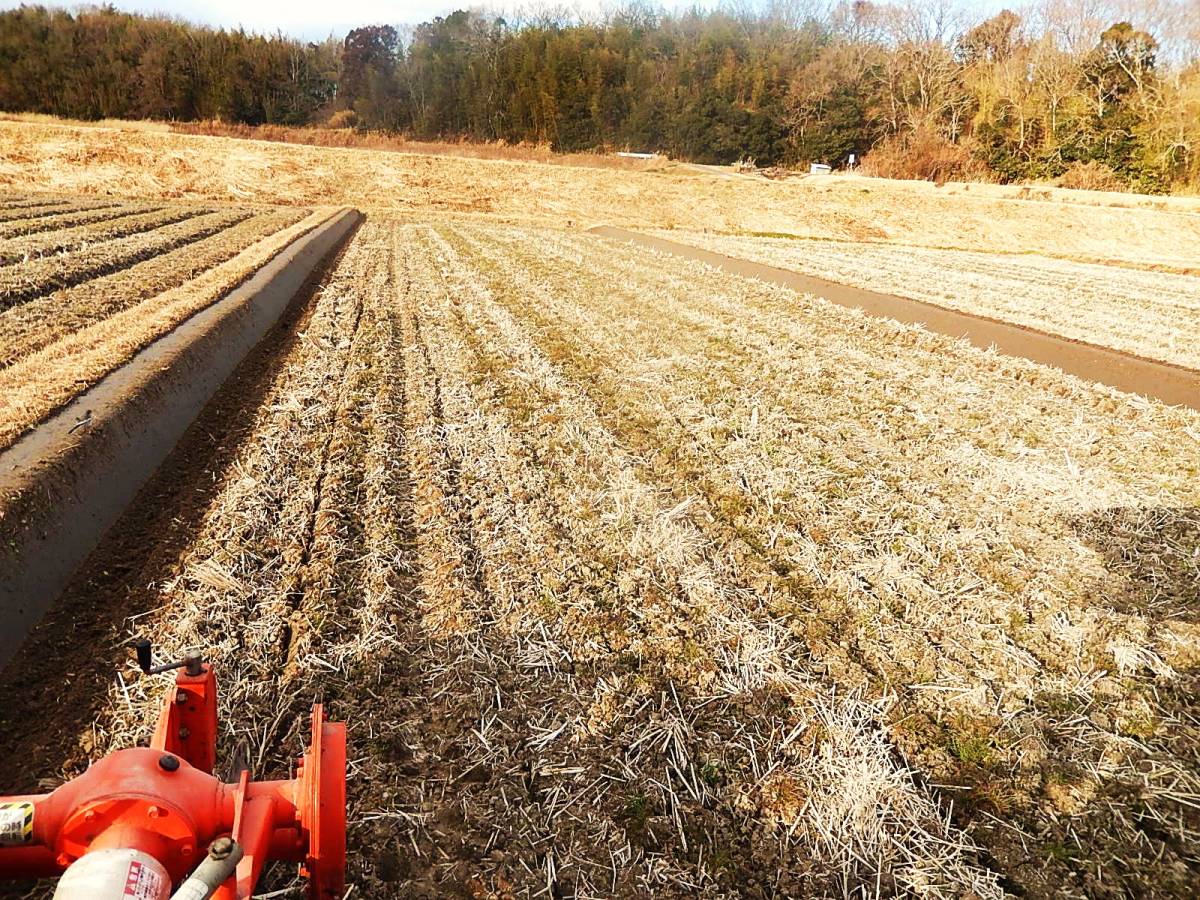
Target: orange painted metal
{"x": 322, "y": 808}
{"x": 165, "y": 801}
{"x": 187, "y": 725}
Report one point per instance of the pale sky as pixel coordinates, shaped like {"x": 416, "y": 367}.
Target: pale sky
{"x": 315, "y": 20}
{"x": 310, "y": 20}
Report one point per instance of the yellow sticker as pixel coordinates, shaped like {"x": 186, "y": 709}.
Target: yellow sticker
{"x": 16, "y": 824}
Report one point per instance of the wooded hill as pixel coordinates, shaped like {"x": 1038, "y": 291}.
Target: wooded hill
{"x": 1100, "y": 93}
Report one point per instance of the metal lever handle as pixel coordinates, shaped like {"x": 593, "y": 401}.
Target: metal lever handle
{"x": 145, "y": 658}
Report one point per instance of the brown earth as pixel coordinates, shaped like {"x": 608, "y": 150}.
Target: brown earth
{"x": 634, "y": 576}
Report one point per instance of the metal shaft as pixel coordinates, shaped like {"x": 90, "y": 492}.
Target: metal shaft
{"x": 223, "y": 857}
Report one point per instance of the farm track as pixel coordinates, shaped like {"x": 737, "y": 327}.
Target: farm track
{"x": 78, "y": 238}
{"x": 40, "y": 277}
{"x": 634, "y": 577}
{"x": 1153, "y": 315}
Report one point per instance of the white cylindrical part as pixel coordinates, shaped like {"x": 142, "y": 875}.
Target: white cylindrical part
{"x": 114, "y": 875}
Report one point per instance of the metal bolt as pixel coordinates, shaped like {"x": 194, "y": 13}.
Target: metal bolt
{"x": 184, "y": 734}
{"x": 168, "y": 763}
{"x": 181, "y": 697}
{"x": 156, "y": 812}
{"x": 89, "y": 816}
{"x": 221, "y": 848}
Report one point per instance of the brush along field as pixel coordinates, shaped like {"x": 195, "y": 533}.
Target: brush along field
{"x": 84, "y": 285}
{"x": 132, "y": 161}
{"x": 632, "y": 577}
{"x": 1150, "y": 314}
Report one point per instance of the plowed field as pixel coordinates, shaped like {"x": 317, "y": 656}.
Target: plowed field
{"x": 632, "y": 577}
{"x": 85, "y": 285}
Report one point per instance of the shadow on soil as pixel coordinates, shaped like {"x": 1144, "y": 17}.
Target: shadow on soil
{"x": 1152, "y": 555}
{"x": 55, "y": 684}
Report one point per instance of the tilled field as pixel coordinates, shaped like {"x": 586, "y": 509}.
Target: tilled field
{"x": 85, "y": 285}
{"x": 631, "y": 576}
{"x": 1150, "y": 314}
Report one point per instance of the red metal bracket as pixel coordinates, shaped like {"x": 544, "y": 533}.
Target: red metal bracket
{"x": 165, "y": 801}
{"x": 321, "y": 805}
{"x": 187, "y": 725}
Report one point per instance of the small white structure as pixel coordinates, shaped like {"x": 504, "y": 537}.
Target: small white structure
{"x": 628, "y": 155}
{"x": 819, "y": 169}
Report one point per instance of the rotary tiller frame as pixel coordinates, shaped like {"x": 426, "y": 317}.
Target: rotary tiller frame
{"x": 156, "y": 811}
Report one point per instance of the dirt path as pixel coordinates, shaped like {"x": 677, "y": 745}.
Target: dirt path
{"x": 1126, "y": 372}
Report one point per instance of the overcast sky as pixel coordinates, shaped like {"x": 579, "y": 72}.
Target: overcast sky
{"x": 316, "y": 20}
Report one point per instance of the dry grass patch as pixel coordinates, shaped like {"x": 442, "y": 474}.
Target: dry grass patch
{"x": 927, "y": 516}
{"x": 636, "y": 578}
{"x": 147, "y": 164}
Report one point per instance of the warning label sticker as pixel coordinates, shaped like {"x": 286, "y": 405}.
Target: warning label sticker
{"x": 16, "y": 823}
{"x": 143, "y": 882}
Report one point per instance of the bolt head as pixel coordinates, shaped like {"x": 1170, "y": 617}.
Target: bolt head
{"x": 168, "y": 762}
{"x": 156, "y": 812}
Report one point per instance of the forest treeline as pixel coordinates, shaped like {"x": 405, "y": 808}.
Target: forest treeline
{"x": 1102, "y": 92}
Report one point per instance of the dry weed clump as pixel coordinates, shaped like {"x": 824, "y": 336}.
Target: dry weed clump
{"x": 1151, "y": 314}
{"x": 1091, "y": 176}
{"x": 925, "y": 155}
